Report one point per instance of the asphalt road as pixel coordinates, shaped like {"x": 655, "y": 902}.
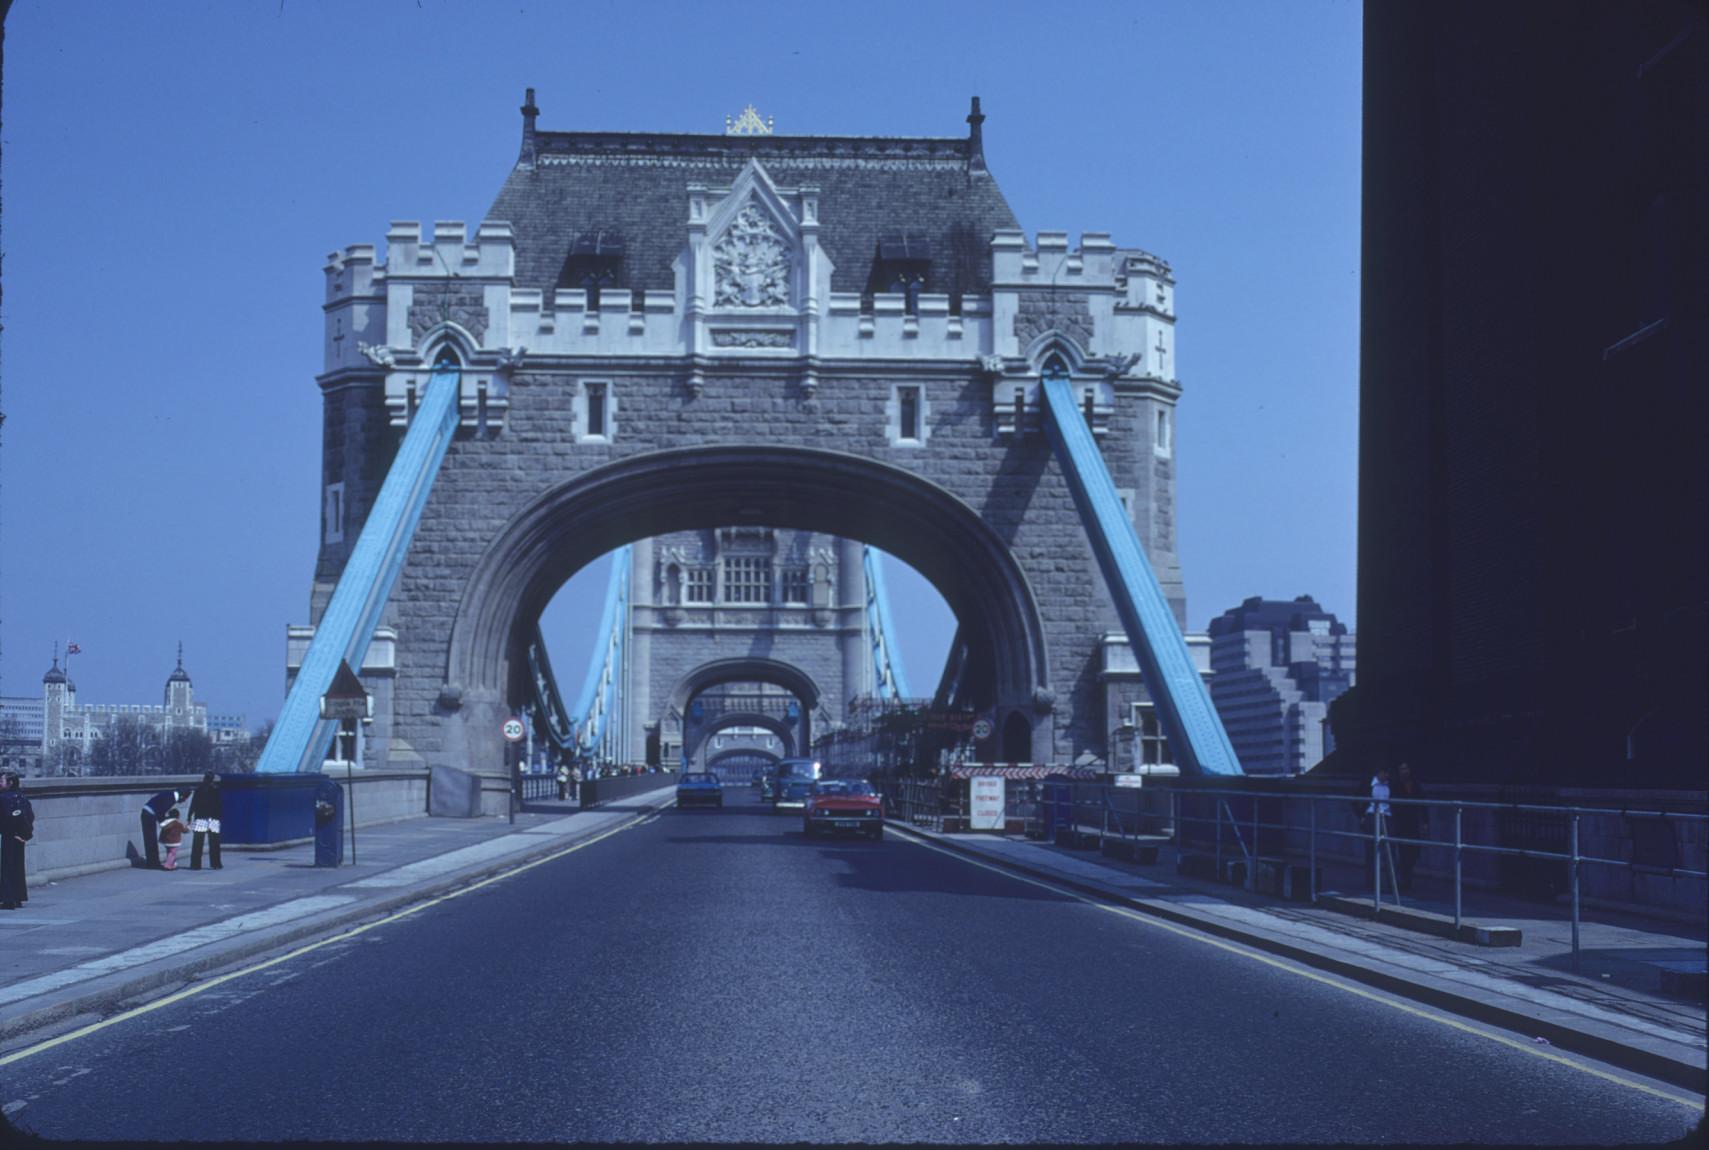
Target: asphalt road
{"x": 715, "y": 976}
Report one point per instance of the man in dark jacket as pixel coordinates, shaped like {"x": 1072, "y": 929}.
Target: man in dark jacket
{"x": 17, "y": 826}
{"x": 205, "y": 821}
{"x": 152, "y": 812}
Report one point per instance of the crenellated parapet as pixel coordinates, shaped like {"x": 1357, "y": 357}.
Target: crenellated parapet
{"x": 751, "y": 283}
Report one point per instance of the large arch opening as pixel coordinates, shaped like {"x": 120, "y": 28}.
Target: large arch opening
{"x": 852, "y": 497}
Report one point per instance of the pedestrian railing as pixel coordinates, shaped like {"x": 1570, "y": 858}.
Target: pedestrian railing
{"x": 1237, "y": 818}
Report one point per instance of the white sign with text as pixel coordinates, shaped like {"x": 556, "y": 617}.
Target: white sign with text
{"x": 985, "y": 803}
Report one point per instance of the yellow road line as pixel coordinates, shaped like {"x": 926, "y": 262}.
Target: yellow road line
{"x": 187, "y": 992}
{"x": 1293, "y": 968}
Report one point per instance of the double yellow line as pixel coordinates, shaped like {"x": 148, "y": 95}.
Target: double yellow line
{"x": 202, "y": 987}
{"x": 1302, "y": 972}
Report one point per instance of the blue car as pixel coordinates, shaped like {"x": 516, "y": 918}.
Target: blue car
{"x": 699, "y": 789}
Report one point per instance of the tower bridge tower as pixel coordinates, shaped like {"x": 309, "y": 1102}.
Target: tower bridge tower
{"x": 729, "y": 348}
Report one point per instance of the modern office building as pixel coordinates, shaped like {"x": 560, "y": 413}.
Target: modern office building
{"x": 1276, "y": 665}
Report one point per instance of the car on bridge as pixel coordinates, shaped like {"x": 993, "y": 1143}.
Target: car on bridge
{"x": 699, "y": 789}
{"x": 791, "y": 794}
{"x": 843, "y": 805}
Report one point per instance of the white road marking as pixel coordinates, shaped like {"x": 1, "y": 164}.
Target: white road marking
{"x": 171, "y": 945}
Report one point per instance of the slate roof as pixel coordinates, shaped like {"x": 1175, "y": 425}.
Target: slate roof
{"x": 635, "y": 184}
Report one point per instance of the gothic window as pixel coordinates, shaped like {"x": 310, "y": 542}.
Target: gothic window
{"x": 673, "y": 585}
{"x": 1151, "y": 747}
{"x": 795, "y": 585}
{"x": 698, "y": 587}
{"x": 1162, "y": 441}
{"x": 908, "y": 413}
{"x": 747, "y": 579}
{"x": 902, "y": 265}
{"x": 595, "y": 262}
{"x": 595, "y": 406}
{"x": 596, "y": 409}
{"x": 333, "y": 515}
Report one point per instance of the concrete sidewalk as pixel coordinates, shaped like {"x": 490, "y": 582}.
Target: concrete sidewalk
{"x": 1613, "y": 1009}
{"x": 86, "y": 945}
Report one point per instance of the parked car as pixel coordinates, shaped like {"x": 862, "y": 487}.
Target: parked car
{"x": 843, "y": 806}
{"x": 699, "y": 789}
{"x": 793, "y": 791}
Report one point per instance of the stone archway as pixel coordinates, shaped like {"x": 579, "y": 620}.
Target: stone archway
{"x": 853, "y": 497}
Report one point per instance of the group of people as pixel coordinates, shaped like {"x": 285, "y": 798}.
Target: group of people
{"x": 17, "y": 827}
{"x": 569, "y": 781}
{"x": 164, "y": 826}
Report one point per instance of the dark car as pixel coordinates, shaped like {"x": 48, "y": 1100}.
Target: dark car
{"x": 699, "y": 788}
{"x": 844, "y": 806}
{"x": 792, "y": 794}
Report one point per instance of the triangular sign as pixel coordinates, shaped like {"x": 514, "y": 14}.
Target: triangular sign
{"x": 345, "y": 684}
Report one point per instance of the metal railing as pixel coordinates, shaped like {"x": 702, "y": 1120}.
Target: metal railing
{"x": 1245, "y": 828}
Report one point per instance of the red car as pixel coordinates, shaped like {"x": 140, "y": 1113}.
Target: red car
{"x": 844, "y": 805}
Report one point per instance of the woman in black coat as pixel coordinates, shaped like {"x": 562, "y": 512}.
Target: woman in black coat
{"x": 205, "y": 822}
{"x": 17, "y": 826}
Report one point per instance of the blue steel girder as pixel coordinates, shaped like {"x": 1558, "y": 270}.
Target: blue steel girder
{"x": 300, "y": 736}
{"x": 890, "y": 680}
{"x": 1195, "y": 731}
{"x": 593, "y": 717}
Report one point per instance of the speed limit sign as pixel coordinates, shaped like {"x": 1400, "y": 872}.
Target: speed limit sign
{"x": 982, "y": 728}
{"x": 513, "y": 730}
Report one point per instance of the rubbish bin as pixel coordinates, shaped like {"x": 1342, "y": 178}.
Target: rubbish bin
{"x": 329, "y": 823}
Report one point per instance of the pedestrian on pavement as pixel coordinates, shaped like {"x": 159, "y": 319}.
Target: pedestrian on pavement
{"x": 205, "y": 809}
{"x": 576, "y": 783}
{"x": 172, "y": 830}
{"x": 17, "y": 827}
{"x": 152, "y": 812}
{"x": 563, "y": 782}
{"x": 1407, "y": 822}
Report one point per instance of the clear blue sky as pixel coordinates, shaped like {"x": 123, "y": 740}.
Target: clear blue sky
{"x": 175, "y": 173}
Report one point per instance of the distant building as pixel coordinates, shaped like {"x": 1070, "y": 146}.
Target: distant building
{"x": 1276, "y": 666}
{"x": 36, "y": 733}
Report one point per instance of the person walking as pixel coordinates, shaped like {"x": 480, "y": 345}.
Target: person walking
{"x": 1407, "y": 822}
{"x": 563, "y": 782}
{"x": 205, "y": 822}
{"x": 576, "y": 783}
{"x": 171, "y": 835}
{"x": 17, "y": 827}
{"x": 152, "y": 812}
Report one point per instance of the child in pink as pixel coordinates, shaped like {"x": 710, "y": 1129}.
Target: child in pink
{"x": 171, "y": 836}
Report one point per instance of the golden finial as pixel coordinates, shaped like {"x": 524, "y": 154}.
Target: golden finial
{"x": 747, "y": 124}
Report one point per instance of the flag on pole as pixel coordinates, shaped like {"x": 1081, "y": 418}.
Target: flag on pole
{"x": 73, "y": 649}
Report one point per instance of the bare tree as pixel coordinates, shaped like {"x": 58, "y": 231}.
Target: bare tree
{"x": 187, "y": 752}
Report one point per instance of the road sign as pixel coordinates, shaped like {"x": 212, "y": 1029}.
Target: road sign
{"x": 514, "y": 730}
{"x": 982, "y": 728}
{"x": 345, "y": 698}
{"x": 985, "y": 803}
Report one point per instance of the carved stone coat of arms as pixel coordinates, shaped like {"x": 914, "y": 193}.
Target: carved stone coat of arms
{"x": 751, "y": 262}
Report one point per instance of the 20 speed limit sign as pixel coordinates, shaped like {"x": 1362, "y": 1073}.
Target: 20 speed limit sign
{"x": 513, "y": 730}
{"x": 982, "y": 728}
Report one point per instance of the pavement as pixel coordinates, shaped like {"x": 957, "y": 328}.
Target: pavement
{"x": 87, "y": 946}
{"x": 1614, "y": 1008}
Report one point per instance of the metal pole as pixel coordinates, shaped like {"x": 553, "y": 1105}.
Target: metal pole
{"x": 1575, "y": 892}
{"x": 1216, "y": 809}
{"x": 1459, "y": 814}
{"x": 1311, "y": 857}
{"x": 350, "y": 783}
{"x": 1175, "y": 824}
{"x": 1376, "y": 859}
